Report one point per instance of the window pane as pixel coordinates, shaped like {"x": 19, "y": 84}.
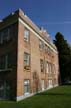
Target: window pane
{"x": 26, "y": 86}
{"x": 43, "y": 84}
{"x": 42, "y": 65}
{"x": 40, "y": 45}
{"x": 9, "y": 33}
{"x": 46, "y": 48}
{"x": 26, "y": 59}
{"x": 6, "y": 61}
{"x": 47, "y": 67}
{"x": 5, "y": 35}
{"x": 2, "y": 62}
{"x": 10, "y": 60}
{"x": 0, "y": 37}
{"x": 26, "y": 34}
{"x": 50, "y": 68}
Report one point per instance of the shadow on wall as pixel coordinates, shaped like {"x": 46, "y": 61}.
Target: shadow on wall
{"x": 36, "y": 81}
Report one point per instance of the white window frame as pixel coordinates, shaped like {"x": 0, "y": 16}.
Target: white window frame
{"x": 26, "y": 35}
{"x": 26, "y": 59}
{"x": 43, "y": 84}
{"x": 50, "y": 83}
{"x": 40, "y": 45}
{"x": 47, "y": 67}
{"x": 42, "y": 65}
{"x": 27, "y": 84}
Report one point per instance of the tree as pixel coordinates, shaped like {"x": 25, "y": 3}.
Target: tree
{"x": 64, "y": 57}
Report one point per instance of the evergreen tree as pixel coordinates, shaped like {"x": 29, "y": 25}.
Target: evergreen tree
{"x": 64, "y": 57}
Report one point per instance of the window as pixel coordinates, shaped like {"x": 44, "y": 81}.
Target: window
{"x": 49, "y": 50}
{"x": 1, "y": 88}
{"x": 50, "y": 83}
{"x": 4, "y": 89}
{"x": 54, "y": 70}
{"x": 50, "y": 68}
{"x": 46, "y": 48}
{"x": 47, "y": 66}
{"x": 26, "y": 35}
{"x": 10, "y": 60}
{"x": 40, "y": 45}
{"x": 26, "y": 86}
{"x": 0, "y": 38}
{"x": 2, "y": 62}
{"x": 5, "y": 61}
{"x": 42, "y": 65}
{"x": 5, "y": 35}
{"x": 26, "y": 60}
{"x": 43, "y": 85}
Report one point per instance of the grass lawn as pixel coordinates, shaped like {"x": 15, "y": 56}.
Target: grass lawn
{"x": 59, "y": 97}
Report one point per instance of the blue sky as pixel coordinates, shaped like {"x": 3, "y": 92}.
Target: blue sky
{"x": 53, "y": 15}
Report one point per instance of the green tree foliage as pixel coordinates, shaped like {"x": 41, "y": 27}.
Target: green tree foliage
{"x": 64, "y": 50}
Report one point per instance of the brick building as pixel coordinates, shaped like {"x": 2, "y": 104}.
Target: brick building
{"x": 28, "y": 58}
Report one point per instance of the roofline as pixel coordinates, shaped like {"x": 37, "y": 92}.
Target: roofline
{"x": 32, "y": 25}
{"x": 19, "y": 14}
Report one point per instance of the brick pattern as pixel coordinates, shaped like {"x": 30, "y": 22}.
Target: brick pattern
{"x": 33, "y": 49}
{"x": 17, "y": 46}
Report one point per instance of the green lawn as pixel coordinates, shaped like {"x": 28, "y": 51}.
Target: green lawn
{"x": 59, "y": 97}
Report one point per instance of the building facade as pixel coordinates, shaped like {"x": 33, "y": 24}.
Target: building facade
{"x": 28, "y": 58}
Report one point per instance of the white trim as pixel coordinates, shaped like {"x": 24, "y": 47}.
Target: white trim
{"x": 36, "y": 34}
{"x": 19, "y": 98}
